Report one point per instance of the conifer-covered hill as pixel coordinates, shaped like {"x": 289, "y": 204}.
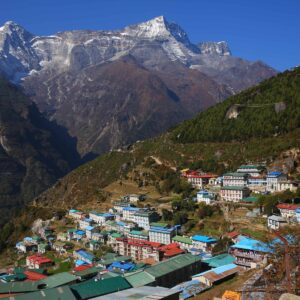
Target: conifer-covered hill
{"x": 266, "y": 129}
{"x": 270, "y": 109}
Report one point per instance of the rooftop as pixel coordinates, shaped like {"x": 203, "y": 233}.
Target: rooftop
{"x": 246, "y": 243}
{"x": 91, "y": 288}
{"x": 219, "y": 260}
{"x": 287, "y": 206}
{"x": 235, "y": 174}
{"x": 172, "y": 264}
{"x": 219, "y": 273}
{"x": 182, "y": 239}
{"x": 234, "y": 188}
{"x": 203, "y": 239}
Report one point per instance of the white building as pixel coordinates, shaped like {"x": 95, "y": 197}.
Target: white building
{"x": 129, "y": 212}
{"x": 76, "y": 214}
{"x": 288, "y": 211}
{"x": 203, "y": 243}
{"x": 234, "y": 193}
{"x": 144, "y": 218}
{"x": 288, "y": 185}
{"x": 235, "y": 179}
{"x": 120, "y": 205}
{"x": 184, "y": 242}
{"x": 162, "y": 233}
{"x": 85, "y": 222}
{"x": 101, "y": 218}
{"x": 273, "y": 181}
{"x": 252, "y": 170}
{"x": 276, "y": 222}
{"x": 205, "y": 196}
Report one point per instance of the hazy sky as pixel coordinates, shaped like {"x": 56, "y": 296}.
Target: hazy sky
{"x": 267, "y": 30}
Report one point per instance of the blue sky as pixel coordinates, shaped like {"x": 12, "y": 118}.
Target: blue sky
{"x": 266, "y": 30}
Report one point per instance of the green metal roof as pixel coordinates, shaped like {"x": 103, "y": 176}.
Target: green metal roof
{"x": 92, "y": 288}
{"x": 140, "y": 279}
{"x": 139, "y": 232}
{"x": 235, "y": 188}
{"x": 235, "y": 174}
{"x": 251, "y": 167}
{"x": 58, "y": 279}
{"x": 249, "y": 199}
{"x": 18, "y": 287}
{"x": 220, "y": 260}
{"x": 182, "y": 239}
{"x": 116, "y": 235}
{"x": 61, "y": 293}
{"x": 172, "y": 264}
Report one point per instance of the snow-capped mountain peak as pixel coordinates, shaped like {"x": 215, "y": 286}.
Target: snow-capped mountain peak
{"x": 218, "y": 48}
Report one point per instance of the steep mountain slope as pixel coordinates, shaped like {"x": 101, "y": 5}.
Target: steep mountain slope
{"x": 54, "y": 69}
{"x": 120, "y": 102}
{"x": 32, "y": 156}
{"x": 219, "y": 150}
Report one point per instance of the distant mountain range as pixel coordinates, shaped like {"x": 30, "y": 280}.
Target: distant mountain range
{"x": 111, "y": 88}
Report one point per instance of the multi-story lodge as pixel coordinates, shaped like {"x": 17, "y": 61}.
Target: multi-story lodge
{"x": 235, "y": 179}
{"x": 76, "y": 214}
{"x": 273, "y": 181}
{"x": 144, "y": 218}
{"x": 249, "y": 253}
{"x": 162, "y": 233}
{"x": 101, "y": 218}
{"x": 205, "y": 196}
{"x": 183, "y": 241}
{"x": 137, "y": 249}
{"x": 234, "y": 193}
{"x": 129, "y": 212}
{"x": 199, "y": 180}
{"x": 288, "y": 211}
{"x": 252, "y": 170}
{"x": 203, "y": 243}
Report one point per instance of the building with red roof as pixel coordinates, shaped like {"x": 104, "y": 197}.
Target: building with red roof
{"x": 198, "y": 179}
{"x": 288, "y": 211}
{"x": 38, "y": 261}
{"x": 137, "y": 249}
{"x": 34, "y": 276}
{"x": 171, "y": 250}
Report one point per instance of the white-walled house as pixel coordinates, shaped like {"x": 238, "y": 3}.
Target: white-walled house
{"x": 205, "y": 196}
{"x": 235, "y": 179}
{"x": 101, "y": 218}
{"x": 144, "y": 218}
{"x": 288, "y": 211}
{"x": 234, "y": 193}
{"x": 276, "y": 222}
{"x": 273, "y": 181}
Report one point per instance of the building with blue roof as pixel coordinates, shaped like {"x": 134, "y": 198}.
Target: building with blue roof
{"x": 217, "y": 275}
{"x": 85, "y": 256}
{"x": 203, "y": 243}
{"x": 89, "y": 231}
{"x": 101, "y": 218}
{"x": 121, "y": 267}
{"x": 78, "y": 234}
{"x": 162, "y": 233}
{"x": 128, "y": 213}
{"x": 273, "y": 181}
{"x": 250, "y": 253}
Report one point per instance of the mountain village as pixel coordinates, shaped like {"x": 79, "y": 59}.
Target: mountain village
{"x": 130, "y": 250}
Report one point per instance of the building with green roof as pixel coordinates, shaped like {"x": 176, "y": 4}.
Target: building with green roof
{"x": 91, "y": 288}
{"x": 175, "y": 270}
{"x": 219, "y": 260}
{"x": 61, "y": 293}
{"x": 140, "y": 278}
{"x": 250, "y": 199}
{"x": 184, "y": 241}
{"x": 139, "y": 234}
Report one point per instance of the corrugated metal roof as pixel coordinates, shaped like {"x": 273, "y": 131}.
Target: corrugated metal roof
{"x": 219, "y": 260}
{"x": 61, "y": 293}
{"x": 140, "y": 279}
{"x": 182, "y": 239}
{"x": 172, "y": 264}
{"x": 92, "y": 288}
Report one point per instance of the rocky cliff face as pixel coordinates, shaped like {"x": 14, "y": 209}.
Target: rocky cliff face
{"x": 67, "y": 76}
{"x": 32, "y": 156}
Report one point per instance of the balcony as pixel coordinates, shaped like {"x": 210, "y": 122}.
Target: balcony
{"x": 251, "y": 255}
